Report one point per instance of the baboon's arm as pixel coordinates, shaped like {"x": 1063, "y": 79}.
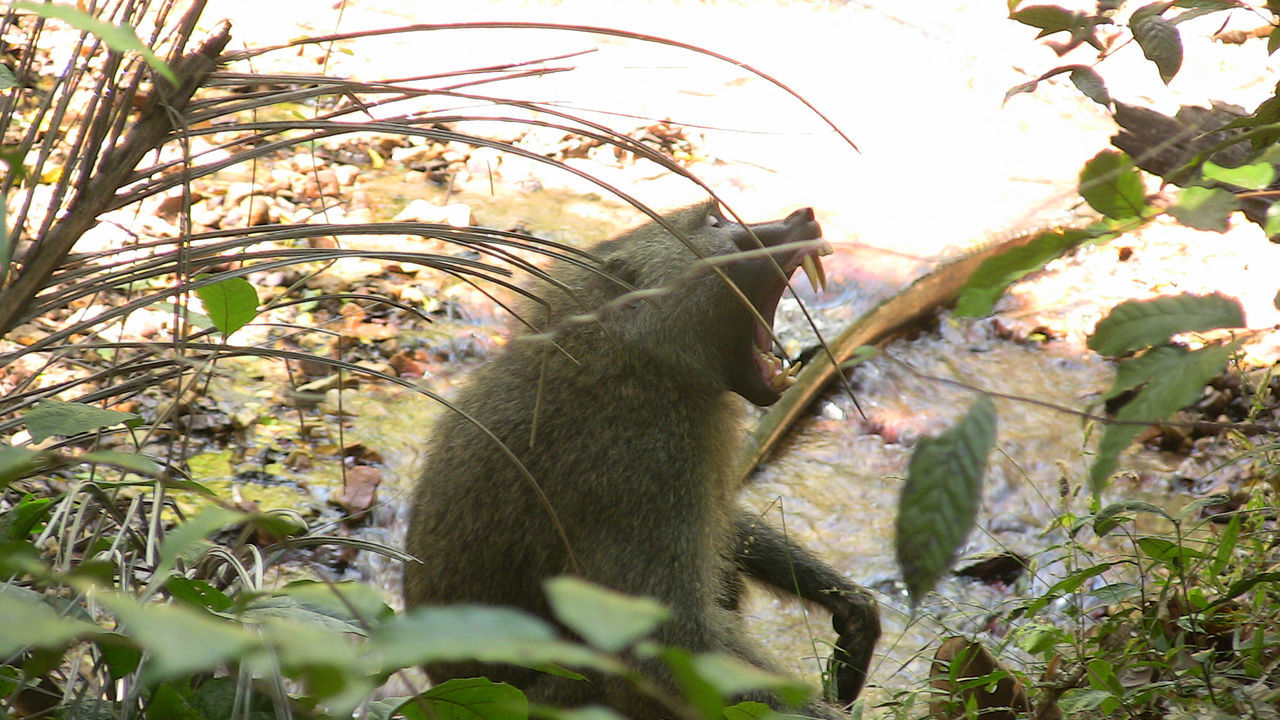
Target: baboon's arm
{"x": 765, "y": 554}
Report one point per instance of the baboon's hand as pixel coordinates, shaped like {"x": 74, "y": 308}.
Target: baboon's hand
{"x": 858, "y": 628}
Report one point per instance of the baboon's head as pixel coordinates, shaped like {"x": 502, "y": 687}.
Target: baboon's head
{"x": 705, "y": 302}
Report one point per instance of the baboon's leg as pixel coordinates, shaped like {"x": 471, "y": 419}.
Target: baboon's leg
{"x": 765, "y": 554}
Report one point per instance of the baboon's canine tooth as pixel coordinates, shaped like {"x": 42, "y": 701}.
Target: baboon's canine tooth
{"x": 813, "y": 269}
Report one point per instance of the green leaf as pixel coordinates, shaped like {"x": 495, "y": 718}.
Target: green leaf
{"x": 1168, "y": 552}
{"x": 120, "y": 38}
{"x": 1205, "y": 208}
{"x": 21, "y": 520}
{"x": 468, "y": 699}
{"x": 1137, "y": 370}
{"x": 941, "y": 496}
{"x": 197, "y": 593}
{"x": 1250, "y": 177}
{"x": 1158, "y": 38}
{"x": 1136, "y": 324}
{"x": 1114, "y": 593}
{"x": 18, "y": 462}
{"x": 607, "y": 620}
{"x": 338, "y": 600}
{"x": 7, "y": 79}
{"x": 1048, "y": 18}
{"x": 470, "y": 632}
{"x": 697, "y": 691}
{"x": 229, "y": 303}
{"x": 1162, "y": 396}
{"x": 1111, "y": 516}
{"x": 1091, "y": 84}
{"x": 996, "y": 274}
{"x": 179, "y": 640}
{"x": 1069, "y": 584}
{"x": 132, "y": 462}
{"x": 1111, "y": 185}
{"x": 29, "y": 622}
{"x": 167, "y": 702}
{"x": 190, "y": 536}
{"x": 55, "y": 417}
{"x": 1075, "y": 700}
{"x": 732, "y": 676}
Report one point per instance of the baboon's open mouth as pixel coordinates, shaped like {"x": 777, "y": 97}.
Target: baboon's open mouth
{"x": 775, "y": 376}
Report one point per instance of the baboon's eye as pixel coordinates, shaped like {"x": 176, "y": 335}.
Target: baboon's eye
{"x": 714, "y": 218}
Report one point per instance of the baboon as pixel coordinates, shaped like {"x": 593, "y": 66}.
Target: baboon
{"x": 622, "y": 408}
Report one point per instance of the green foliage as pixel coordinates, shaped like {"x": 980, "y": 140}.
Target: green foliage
{"x": 996, "y": 274}
{"x": 230, "y": 304}
{"x": 120, "y": 38}
{"x": 941, "y": 497}
{"x": 55, "y": 417}
{"x": 1168, "y": 377}
{"x": 468, "y": 699}
{"x": 1205, "y": 208}
{"x": 1112, "y": 186}
{"x": 606, "y": 620}
{"x": 1158, "y": 38}
{"x": 1139, "y": 324}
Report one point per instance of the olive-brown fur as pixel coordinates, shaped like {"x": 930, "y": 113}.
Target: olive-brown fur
{"x": 623, "y": 410}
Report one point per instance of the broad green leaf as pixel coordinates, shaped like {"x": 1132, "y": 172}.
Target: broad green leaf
{"x": 18, "y": 462}
{"x": 1137, "y": 370}
{"x": 120, "y": 38}
{"x": 7, "y": 80}
{"x": 338, "y": 600}
{"x": 1136, "y": 324}
{"x": 698, "y": 691}
{"x": 133, "y": 462}
{"x": 1162, "y": 396}
{"x": 607, "y": 620}
{"x": 1167, "y": 551}
{"x": 324, "y": 658}
{"x": 230, "y": 303}
{"x": 1067, "y": 585}
{"x": 190, "y": 536}
{"x": 471, "y": 632}
{"x": 55, "y": 417}
{"x": 1091, "y": 84}
{"x": 1111, "y": 185}
{"x": 1251, "y": 177}
{"x": 29, "y": 622}
{"x": 277, "y": 607}
{"x": 1159, "y": 39}
{"x": 1037, "y": 639}
{"x": 474, "y": 699}
{"x": 1048, "y": 18}
{"x": 996, "y": 274}
{"x": 21, "y": 520}
{"x": 167, "y": 702}
{"x": 179, "y": 640}
{"x": 1075, "y": 700}
{"x": 197, "y": 593}
{"x": 732, "y": 676}
{"x": 1112, "y": 515}
{"x": 941, "y": 497}
{"x": 121, "y": 656}
{"x": 1205, "y": 208}
{"x": 1114, "y": 593}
